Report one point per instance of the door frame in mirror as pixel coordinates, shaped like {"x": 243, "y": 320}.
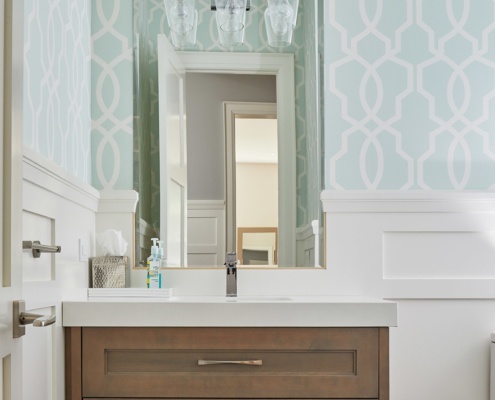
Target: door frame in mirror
{"x": 282, "y": 66}
{"x": 232, "y": 110}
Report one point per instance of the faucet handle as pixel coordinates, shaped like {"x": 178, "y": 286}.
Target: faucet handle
{"x": 231, "y": 268}
{"x": 231, "y": 259}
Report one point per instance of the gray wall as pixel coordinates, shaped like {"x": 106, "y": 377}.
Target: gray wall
{"x": 205, "y": 94}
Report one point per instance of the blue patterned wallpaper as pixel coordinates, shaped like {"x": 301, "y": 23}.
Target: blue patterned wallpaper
{"x": 112, "y": 94}
{"x": 409, "y": 94}
{"x": 408, "y": 91}
{"x": 57, "y": 60}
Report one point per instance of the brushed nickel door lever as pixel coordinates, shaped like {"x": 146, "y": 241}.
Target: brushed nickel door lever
{"x": 21, "y": 318}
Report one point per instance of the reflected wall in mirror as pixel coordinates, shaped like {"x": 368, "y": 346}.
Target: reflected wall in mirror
{"x": 256, "y": 186}
{"x": 149, "y": 21}
{"x": 224, "y": 167}
{"x": 243, "y": 77}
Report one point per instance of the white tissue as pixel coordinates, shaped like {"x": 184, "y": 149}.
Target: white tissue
{"x": 110, "y": 243}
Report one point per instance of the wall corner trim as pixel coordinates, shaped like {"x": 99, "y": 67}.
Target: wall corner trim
{"x": 118, "y": 201}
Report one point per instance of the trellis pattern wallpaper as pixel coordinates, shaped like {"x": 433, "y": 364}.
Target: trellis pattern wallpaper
{"x": 409, "y": 90}
{"x": 410, "y": 94}
{"x": 57, "y": 56}
{"x": 112, "y": 161}
{"x": 112, "y": 94}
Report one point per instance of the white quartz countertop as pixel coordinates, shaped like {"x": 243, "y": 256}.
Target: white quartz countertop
{"x": 210, "y": 311}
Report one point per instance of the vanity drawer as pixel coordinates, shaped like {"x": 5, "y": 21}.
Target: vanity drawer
{"x": 296, "y": 362}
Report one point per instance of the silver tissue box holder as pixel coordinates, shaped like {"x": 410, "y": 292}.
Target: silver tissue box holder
{"x": 109, "y": 271}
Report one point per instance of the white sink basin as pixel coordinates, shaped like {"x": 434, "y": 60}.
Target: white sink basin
{"x": 216, "y": 311}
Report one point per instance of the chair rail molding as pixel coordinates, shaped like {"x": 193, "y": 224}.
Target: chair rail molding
{"x": 407, "y": 201}
{"x": 41, "y": 172}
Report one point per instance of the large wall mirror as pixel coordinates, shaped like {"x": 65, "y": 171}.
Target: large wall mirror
{"x": 251, "y": 144}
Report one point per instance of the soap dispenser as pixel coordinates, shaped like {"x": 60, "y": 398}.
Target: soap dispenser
{"x": 153, "y": 280}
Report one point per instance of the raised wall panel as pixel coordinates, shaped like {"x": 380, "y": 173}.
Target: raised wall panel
{"x": 203, "y": 230}
{"x": 205, "y": 233}
{"x": 412, "y": 245}
{"x": 36, "y": 227}
{"x": 203, "y": 259}
{"x": 438, "y": 255}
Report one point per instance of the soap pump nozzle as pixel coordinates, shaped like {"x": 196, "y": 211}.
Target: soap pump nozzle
{"x": 154, "y": 248}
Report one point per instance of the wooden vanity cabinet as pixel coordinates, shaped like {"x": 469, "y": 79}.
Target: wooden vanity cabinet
{"x": 162, "y": 363}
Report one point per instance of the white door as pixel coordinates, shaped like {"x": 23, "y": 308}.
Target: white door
{"x": 11, "y": 50}
{"x": 173, "y": 154}
{"x": 31, "y": 361}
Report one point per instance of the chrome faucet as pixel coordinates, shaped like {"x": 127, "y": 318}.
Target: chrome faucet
{"x": 231, "y": 267}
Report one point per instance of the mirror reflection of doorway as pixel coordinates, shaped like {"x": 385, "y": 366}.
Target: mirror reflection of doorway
{"x": 252, "y": 217}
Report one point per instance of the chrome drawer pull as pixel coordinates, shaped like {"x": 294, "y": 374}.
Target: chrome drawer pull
{"x": 246, "y": 362}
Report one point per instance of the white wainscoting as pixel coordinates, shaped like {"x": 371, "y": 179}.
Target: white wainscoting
{"x": 116, "y": 210}
{"x": 57, "y": 210}
{"x": 205, "y": 232}
{"x": 433, "y": 253}
{"x": 305, "y": 246}
{"x": 417, "y": 244}
{"x": 438, "y": 255}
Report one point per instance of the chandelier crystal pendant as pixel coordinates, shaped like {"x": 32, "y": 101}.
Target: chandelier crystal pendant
{"x": 182, "y": 18}
{"x": 231, "y": 21}
{"x": 280, "y": 21}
